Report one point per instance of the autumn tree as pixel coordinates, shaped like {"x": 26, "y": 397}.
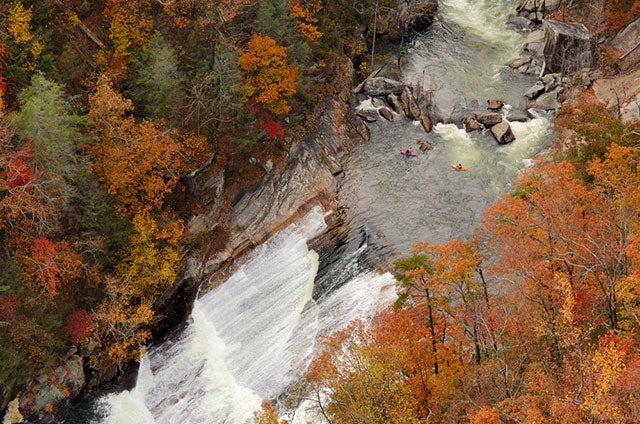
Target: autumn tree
{"x": 268, "y": 79}
{"x": 383, "y": 373}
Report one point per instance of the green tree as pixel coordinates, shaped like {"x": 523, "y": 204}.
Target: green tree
{"x": 158, "y": 80}
{"x": 45, "y": 117}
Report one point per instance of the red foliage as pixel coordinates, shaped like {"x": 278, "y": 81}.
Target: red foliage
{"x": 79, "y": 326}
{"x": 272, "y": 129}
{"x": 18, "y": 173}
{"x": 46, "y": 272}
{"x": 9, "y": 304}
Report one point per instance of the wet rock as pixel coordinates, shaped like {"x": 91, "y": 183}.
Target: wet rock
{"x": 568, "y": 47}
{"x": 518, "y": 117}
{"x": 379, "y": 86}
{"x": 426, "y": 123}
{"x": 45, "y": 396}
{"x": 519, "y": 62}
{"x": 471, "y": 124}
{"x": 369, "y": 115}
{"x": 412, "y": 108}
{"x": 386, "y": 114}
{"x": 547, "y": 101}
{"x": 519, "y": 23}
{"x": 535, "y": 90}
{"x": 494, "y": 104}
{"x": 488, "y": 118}
{"x": 378, "y": 102}
{"x": 424, "y": 145}
{"x": 395, "y": 103}
{"x": 502, "y": 132}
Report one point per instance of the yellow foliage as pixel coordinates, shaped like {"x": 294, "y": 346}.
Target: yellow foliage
{"x": 20, "y": 23}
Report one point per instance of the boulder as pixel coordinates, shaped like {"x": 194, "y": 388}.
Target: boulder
{"x": 395, "y": 103}
{"x": 535, "y": 90}
{"x": 412, "y": 108}
{"x": 426, "y": 123}
{"x": 415, "y": 15}
{"x": 567, "y": 47}
{"x": 544, "y": 6}
{"x": 502, "y": 132}
{"x": 386, "y": 113}
{"x": 369, "y": 115}
{"x": 488, "y": 119}
{"x": 493, "y": 104}
{"x": 519, "y": 23}
{"x": 380, "y": 86}
{"x": 519, "y": 62}
{"x": 518, "y": 117}
{"x": 45, "y": 396}
{"x": 470, "y": 124}
{"x": 546, "y": 101}
{"x": 534, "y": 43}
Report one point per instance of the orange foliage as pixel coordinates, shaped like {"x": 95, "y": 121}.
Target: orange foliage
{"x": 268, "y": 78}
{"x": 306, "y": 21}
{"x": 138, "y": 162}
{"x": 485, "y": 415}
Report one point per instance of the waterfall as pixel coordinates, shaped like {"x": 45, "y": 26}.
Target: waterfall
{"x": 248, "y": 339}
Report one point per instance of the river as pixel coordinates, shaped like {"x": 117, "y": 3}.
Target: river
{"x": 252, "y": 337}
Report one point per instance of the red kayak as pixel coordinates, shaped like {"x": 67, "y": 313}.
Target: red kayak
{"x": 407, "y": 153}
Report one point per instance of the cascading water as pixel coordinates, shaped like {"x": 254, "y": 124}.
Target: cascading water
{"x": 248, "y": 339}
{"x": 252, "y": 337}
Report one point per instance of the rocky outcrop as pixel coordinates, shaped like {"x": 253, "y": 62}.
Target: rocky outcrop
{"x": 568, "y": 47}
{"x": 48, "y": 394}
{"x": 309, "y": 177}
{"x": 415, "y": 15}
{"x": 620, "y": 95}
{"x": 627, "y": 42}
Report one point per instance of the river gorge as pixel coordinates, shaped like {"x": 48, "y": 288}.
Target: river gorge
{"x": 251, "y": 337}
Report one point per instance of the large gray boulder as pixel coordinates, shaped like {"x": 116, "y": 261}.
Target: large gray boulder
{"x": 568, "y": 47}
{"x": 379, "y": 86}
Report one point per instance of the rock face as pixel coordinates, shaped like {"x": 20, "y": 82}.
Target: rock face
{"x": 415, "y": 15}
{"x": 46, "y": 395}
{"x": 620, "y": 95}
{"x": 568, "y": 47}
{"x": 627, "y": 41}
{"x": 502, "y": 132}
{"x": 309, "y": 178}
